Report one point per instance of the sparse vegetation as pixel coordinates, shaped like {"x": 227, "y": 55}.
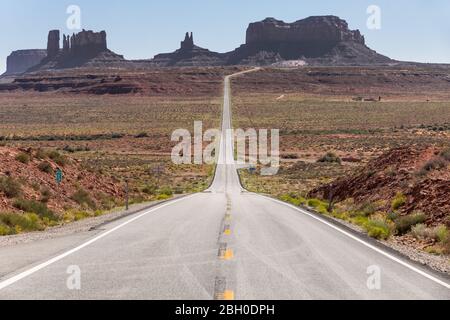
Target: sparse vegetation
{"x": 378, "y": 229}
{"x": 23, "y": 158}
{"x": 398, "y": 201}
{"x": 46, "y": 167}
{"x": 83, "y": 198}
{"x": 330, "y": 157}
{"x": 405, "y": 223}
{"x": 39, "y": 208}
{"x": 59, "y": 159}
{"x": 10, "y": 187}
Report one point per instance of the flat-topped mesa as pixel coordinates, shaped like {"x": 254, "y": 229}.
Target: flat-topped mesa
{"x": 318, "y": 29}
{"x": 20, "y": 61}
{"x": 85, "y": 42}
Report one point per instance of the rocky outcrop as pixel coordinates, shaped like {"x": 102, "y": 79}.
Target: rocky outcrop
{"x": 53, "y": 43}
{"x": 86, "y": 48}
{"x": 322, "y": 29}
{"x": 21, "y": 60}
{"x": 317, "y": 40}
{"x": 188, "y": 55}
{"x": 85, "y": 43}
{"x": 321, "y": 40}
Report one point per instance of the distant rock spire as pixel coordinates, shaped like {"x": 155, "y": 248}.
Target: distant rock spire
{"x": 188, "y": 42}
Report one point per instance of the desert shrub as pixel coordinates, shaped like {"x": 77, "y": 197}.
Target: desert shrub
{"x": 291, "y": 156}
{"x": 141, "y": 135}
{"x": 367, "y": 209}
{"x": 405, "y": 223}
{"x": 162, "y": 197}
{"x": 441, "y": 233}
{"x": 23, "y": 157}
{"x": 18, "y": 223}
{"x": 166, "y": 191}
{"x": 5, "y": 230}
{"x": 40, "y": 154}
{"x": 45, "y": 167}
{"x": 293, "y": 199}
{"x": 107, "y": 201}
{"x": 398, "y": 201}
{"x": 45, "y": 195}
{"x": 31, "y": 206}
{"x": 149, "y": 189}
{"x": 445, "y": 154}
{"x": 59, "y": 159}
{"x": 76, "y": 215}
{"x": 83, "y": 198}
{"x": 378, "y": 229}
{"x": 10, "y": 187}
{"x": 330, "y": 157}
{"x": 420, "y": 231}
{"x": 320, "y": 206}
{"x": 434, "y": 164}
{"x": 392, "y": 215}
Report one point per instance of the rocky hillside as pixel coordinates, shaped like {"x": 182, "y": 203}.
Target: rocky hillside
{"x": 405, "y": 180}
{"x": 28, "y": 182}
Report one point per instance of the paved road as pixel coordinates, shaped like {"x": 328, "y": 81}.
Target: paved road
{"x": 221, "y": 244}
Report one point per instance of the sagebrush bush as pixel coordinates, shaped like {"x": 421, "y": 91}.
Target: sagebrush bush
{"x": 149, "y": 189}
{"x": 23, "y": 157}
{"x": 445, "y": 154}
{"x": 59, "y": 159}
{"x": 31, "y": 206}
{"x": 45, "y": 167}
{"x": 166, "y": 191}
{"x": 435, "y": 164}
{"x": 17, "y": 223}
{"x": 367, "y": 209}
{"x": 10, "y": 187}
{"x": 378, "y": 229}
{"x": 398, "y": 201}
{"x": 330, "y": 157}
{"x": 83, "y": 198}
{"x": 405, "y": 223}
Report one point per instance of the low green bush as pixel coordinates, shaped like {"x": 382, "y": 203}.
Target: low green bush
{"x": 318, "y": 205}
{"x": 59, "y": 159}
{"x": 398, "y": 201}
{"x": 293, "y": 199}
{"x": 83, "y": 198}
{"x": 10, "y": 187}
{"x": 45, "y": 167}
{"x": 16, "y": 223}
{"x": 23, "y": 157}
{"x": 378, "y": 229}
{"x": 434, "y": 164}
{"x": 445, "y": 154}
{"x": 39, "y": 208}
{"x": 405, "y": 223}
{"x": 330, "y": 157}
{"x": 166, "y": 191}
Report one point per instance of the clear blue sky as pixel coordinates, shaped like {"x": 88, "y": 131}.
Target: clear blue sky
{"x": 416, "y": 30}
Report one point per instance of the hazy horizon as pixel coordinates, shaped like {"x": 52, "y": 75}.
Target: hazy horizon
{"x": 410, "y": 30}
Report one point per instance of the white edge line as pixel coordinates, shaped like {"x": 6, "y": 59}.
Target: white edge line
{"x": 384, "y": 253}
{"x": 43, "y": 265}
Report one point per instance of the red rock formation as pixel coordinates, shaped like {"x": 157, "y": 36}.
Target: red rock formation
{"x": 53, "y": 43}
{"x": 21, "y": 60}
{"x": 322, "y": 29}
